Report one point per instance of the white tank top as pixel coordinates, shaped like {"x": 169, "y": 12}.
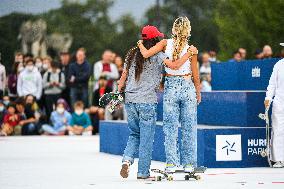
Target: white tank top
{"x": 185, "y": 68}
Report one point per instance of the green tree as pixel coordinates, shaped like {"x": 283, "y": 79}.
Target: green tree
{"x": 250, "y": 24}
{"x": 200, "y": 14}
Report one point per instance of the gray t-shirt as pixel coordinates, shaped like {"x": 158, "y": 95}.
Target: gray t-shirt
{"x": 145, "y": 90}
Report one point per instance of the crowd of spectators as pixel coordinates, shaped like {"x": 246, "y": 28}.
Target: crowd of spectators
{"x": 44, "y": 96}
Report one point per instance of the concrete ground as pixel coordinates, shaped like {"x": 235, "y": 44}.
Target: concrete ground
{"x": 75, "y": 162}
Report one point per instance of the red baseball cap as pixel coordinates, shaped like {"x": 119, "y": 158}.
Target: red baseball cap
{"x": 149, "y": 32}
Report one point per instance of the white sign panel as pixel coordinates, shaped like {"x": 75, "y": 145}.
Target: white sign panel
{"x": 228, "y": 147}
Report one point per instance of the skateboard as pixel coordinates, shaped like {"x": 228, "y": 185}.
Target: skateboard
{"x": 169, "y": 176}
{"x": 111, "y": 101}
{"x": 266, "y": 152}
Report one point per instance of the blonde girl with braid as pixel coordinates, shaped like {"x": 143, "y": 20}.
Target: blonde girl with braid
{"x": 181, "y": 97}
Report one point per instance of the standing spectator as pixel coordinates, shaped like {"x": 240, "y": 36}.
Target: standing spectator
{"x": 119, "y": 64}
{"x": 243, "y": 53}
{"x": 107, "y": 68}
{"x": 12, "y": 81}
{"x": 60, "y": 119}
{"x": 2, "y": 79}
{"x": 96, "y": 112}
{"x": 80, "y": 122}
{"x": 64, "y": 66}
{"x": 2, "y": 112}
{"x": 38, "y": 64}
{"x": 19, "y": 57}
{"x": 206, "y": 83}
{"x": 213, "y": 57}
{"x": 267, "y": 51}
{"x": 236, "y": 57}
{"x": 46, "y": 63}
{"x": 258, "y": 54}
{"x": 205, "y": 67}
{"x": 27, "y": 57}
{"x": 10, "y": 122}
{"x": 30, "y": 81}
{"x": 27, "y": 116}
{"x": 79, "y": 75}
{"x": 53, "y": 84}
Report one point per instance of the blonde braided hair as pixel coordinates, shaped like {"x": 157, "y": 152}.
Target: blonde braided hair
{"x": 180, "y": 33}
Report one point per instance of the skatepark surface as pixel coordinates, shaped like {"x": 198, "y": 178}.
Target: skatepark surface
{"x": 46, "y": 162}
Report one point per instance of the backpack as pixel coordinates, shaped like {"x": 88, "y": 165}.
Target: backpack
{"x": 59, "y": 76}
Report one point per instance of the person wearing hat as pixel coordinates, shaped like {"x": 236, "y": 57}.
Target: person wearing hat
{"x": 181, "y": 97}
{"x": 60, "y": 119}
{"x": 275, "y": 94}
{"x": 11, "y": 121}
{"x": 141, "y": 78}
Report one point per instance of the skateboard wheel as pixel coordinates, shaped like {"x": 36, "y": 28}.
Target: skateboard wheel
{"x": 263, "y": 153}
{"x": 170, "y": 178}
{"x": 158, "y": 178}
{"x": 197, "y": 177}
{"x": 186, "y": 177}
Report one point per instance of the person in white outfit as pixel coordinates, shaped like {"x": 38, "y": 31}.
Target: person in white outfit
{"x": 275, "y": 93}
{"x": 30, "y": 81}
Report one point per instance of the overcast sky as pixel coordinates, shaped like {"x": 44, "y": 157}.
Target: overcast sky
{"x": 136, "y": 8}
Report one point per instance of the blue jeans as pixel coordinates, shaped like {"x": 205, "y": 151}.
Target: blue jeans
{"x": 180, "y": 108}
{"x": 51, "y": 130}
{"x": 141, "y": 122}
{"x": 80, "y": 93}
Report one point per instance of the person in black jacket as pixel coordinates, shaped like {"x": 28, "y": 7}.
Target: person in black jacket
{"x": 65, "y": 59}
{"x": 96, "y": 112}
{"x": 79, "y": 74}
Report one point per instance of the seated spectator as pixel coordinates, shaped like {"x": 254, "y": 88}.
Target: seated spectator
{"x": 243, "y": 53}
{"x": 27, "y": 116}
{"x": 6, "y": 100}
{"x": 12, "y": 81}
{"x": 236, "y": 57}
{"x": 107, "y": 68}
{"x": 64, "y": 102}
{"x": 30, "y": 81}
{"x": 2, "y": 112}
{"x": 258, "y": 54}
{"x": 11, "y": 121}
{"x": 53, "y": 85}
{"x": 267, "y": 51}
{"x": 205, "y": 66}
{"x": 80, "y": 122}
{"x": 206, "y": 83}
{"x": 60, "y": 119}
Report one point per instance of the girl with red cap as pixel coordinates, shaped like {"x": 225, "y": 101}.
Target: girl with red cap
{"x": 181, "y": 96}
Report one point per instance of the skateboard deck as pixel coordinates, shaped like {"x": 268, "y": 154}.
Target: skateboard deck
{"x": 169, "y": 176}
{"x": 111, "y": 101}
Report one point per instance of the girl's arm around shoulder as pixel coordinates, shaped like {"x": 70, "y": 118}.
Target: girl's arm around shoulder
{"x": 146, "y": 53}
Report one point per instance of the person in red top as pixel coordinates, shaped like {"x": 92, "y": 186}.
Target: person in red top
{"x": 11, "y": 121}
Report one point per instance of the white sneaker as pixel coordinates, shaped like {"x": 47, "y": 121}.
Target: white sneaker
{"x": 170, "y": 168}
{"x": 87, "y": 133}
{"x": 188, "y": 168}
{"x": 278, "y": 164}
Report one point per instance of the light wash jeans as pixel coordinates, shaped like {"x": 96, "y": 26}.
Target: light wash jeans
{"x": 180, "y": 108}
{"x": 141, "y": 122}
{"x": 51, "y": 130}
